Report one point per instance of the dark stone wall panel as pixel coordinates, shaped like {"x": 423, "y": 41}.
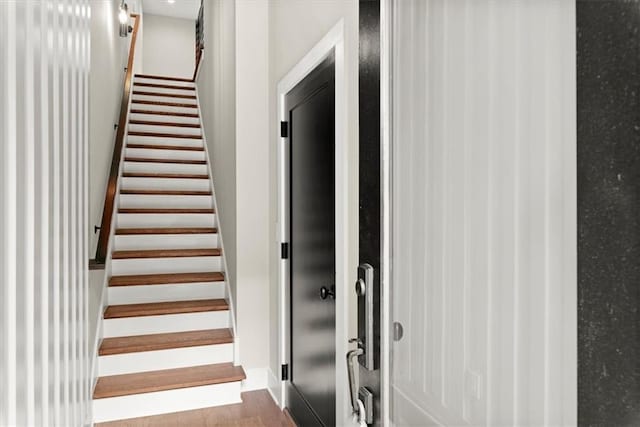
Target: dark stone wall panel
{"x": 608, "y": 49}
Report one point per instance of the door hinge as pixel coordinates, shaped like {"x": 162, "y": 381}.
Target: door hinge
{"x": 285, "y": 372}
{"x": 284, "y": 250}
{"x": 284, "y": 129}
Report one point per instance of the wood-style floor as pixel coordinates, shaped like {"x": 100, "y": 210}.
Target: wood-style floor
{"x": 256, "y": 410}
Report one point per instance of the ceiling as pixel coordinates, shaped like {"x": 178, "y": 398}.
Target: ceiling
{"x": 186, "y": 9}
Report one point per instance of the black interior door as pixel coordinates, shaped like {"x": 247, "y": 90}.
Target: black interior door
{"x": 311, "y": 115}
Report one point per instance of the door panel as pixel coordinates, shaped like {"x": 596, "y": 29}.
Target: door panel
{"x": 311, "y": 112}
{"x": 483, "y": 212}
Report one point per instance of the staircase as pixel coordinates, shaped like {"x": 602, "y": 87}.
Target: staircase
{"x": 168, "y": 342}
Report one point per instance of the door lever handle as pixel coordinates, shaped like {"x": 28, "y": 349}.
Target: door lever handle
{"x": 327, "y": 293}
{"x": 353, "y": 387}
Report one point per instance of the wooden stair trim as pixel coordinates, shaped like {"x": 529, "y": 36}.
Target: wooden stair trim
{"x": 164, "y": 104}
{"x": 168, "y": 95}
{"x": 161, "y": 86}
{"x": 164, "y": 175}
{"x": 166, "y": 211}
{"x": 173, "y": 79}
{"x": 172, "y": 124}
{"x": 165, "y": 135}
{"x": 164, "y": 308}
{"x": 168, "y": 379}
{"x": 143, "y": 231}
{"x": 164, "y": 147}
{"x": 172, "y": 161}
{"x": 165, "y": 113}
{"x": 166, "y": 253}
{"x": 168, "y": 192}
{"x": 166, "y": 279}
{"x": 166, "y": 341}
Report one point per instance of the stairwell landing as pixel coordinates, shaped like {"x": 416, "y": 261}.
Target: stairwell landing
{"x": 168, "y": 342}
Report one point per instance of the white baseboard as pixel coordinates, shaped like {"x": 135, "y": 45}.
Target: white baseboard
{"x": 275, "y": 388}
{"x": 257, "y": 379}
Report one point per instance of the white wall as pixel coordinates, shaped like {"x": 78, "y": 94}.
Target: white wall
{"x": 44, "y": 89}
{"x": 294, "y": 28}
{"x": 169, "y": 46}
{"x": 217, "y": 92}
{"x": 109, "y": 55}
{"x": 484, "y": 218}
{"x": 252, "y": 182}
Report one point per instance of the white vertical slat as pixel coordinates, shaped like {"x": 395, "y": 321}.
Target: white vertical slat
{"x": 9, "y": 209}
{"x": 43, "y": 88}
{"x": 483, "y": 223}
{"x": 56, "y": 277}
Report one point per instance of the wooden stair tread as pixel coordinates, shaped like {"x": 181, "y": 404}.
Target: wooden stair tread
{"x": 163, "y": 103}
{"x": 166, "y": 279}
{"x": 174, "y": 79}
{"x": 164, "y": 147}
{"x": 169, "y": 379}
{"x": 164, "y": 308}
{"x": 165, "y": 253}
{"x": 173, "y": 161}
{"x": 165, "y": 113}
{"x": 166, "y": 211}
{"x": 164, "y": 175}
{"x": 172, "y": 124}
{"x": 165, "y": 135}
{"x": 168, "y": 95}
{"x": 157, "y": 85}
{"x": 153, "y": 342}
{"x": 138, "y": 231}
{"x": 168, "y": 192}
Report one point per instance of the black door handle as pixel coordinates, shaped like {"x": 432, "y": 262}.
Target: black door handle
{"x": 327, "y": 293}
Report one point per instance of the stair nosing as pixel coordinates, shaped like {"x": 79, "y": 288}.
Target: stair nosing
{"x": 161, "y": 86}
{"x": 165, "y": 279}
{"x": 166, "y": 124}
{"x": 167, "y": 95}
{"x": 165, "y": 113}
{"x": 166, "y": 253}
{"x": 164, "y": 308}
{"x": 163, "y": 103}
{"x": 147, "y": 386}
{"x": 163, "y": 147}
{"x": 166, "y": 192}
{"x": 157, "y": 77}
{"x": 164, "y": 175}
{"x": 165, "y": 135}
{"x": 168, "y": 161}
{"x": 128, "y": 343}
{"x": 168, "y": 211}
{"x": 138, "y": 231}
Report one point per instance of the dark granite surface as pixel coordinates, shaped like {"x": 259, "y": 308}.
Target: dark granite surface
{"x": 608, "y": 46}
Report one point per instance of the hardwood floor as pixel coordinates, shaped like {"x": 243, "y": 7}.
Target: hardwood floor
{"x": 256, "y": 410}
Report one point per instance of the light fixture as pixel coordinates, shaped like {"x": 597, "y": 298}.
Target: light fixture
{"x": 171, "y": 1}
{"x": 123, "y": 17}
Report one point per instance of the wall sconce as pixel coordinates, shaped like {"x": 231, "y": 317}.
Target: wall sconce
{"x": 123, "y": 17}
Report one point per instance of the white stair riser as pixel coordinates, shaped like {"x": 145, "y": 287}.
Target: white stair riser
{"x": 165, "y": 201}
{"x": 164, "y": 154}
{"x": 144, "y": 325}
{"x": 140, "y": 183}
{"x": 154, "y": 140}
{"x": 162, "y": 82}
{"x": 164, "y": 359}
{"x": 152, "y": 167}
{"x": 138, "y": 88}
{"x": 161, "y": 118}
{"x": 166, "y": 265}
{"x": 164, "y": 108}
{"x": 164, "y": 402}
{"x": 180, "y": 130}
{"x": 158, "y": 98}
{"x": 165, "y": 293}
{"x": 165, "y": 241}
{"x": 165, "y": 220}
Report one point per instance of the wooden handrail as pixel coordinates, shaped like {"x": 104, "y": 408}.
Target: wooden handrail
{"x": 110, "y": 194}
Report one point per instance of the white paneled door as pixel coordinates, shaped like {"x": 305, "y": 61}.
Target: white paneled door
{"x": 483, "y": 212}
{"x": 44, "y": 66}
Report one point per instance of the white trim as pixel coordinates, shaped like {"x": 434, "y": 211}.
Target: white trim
{"x": 385, "y": 232}
{"x": 227, "y": 282}
{"x": 257, "y": 379}
{"x": 274, "y": 385}
{"x": 332, "y": 41}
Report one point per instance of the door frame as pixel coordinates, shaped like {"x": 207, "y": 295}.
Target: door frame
{"x": 332, "y": 41}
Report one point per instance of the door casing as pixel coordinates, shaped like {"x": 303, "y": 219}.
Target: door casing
{"x": 333, "y": 41}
